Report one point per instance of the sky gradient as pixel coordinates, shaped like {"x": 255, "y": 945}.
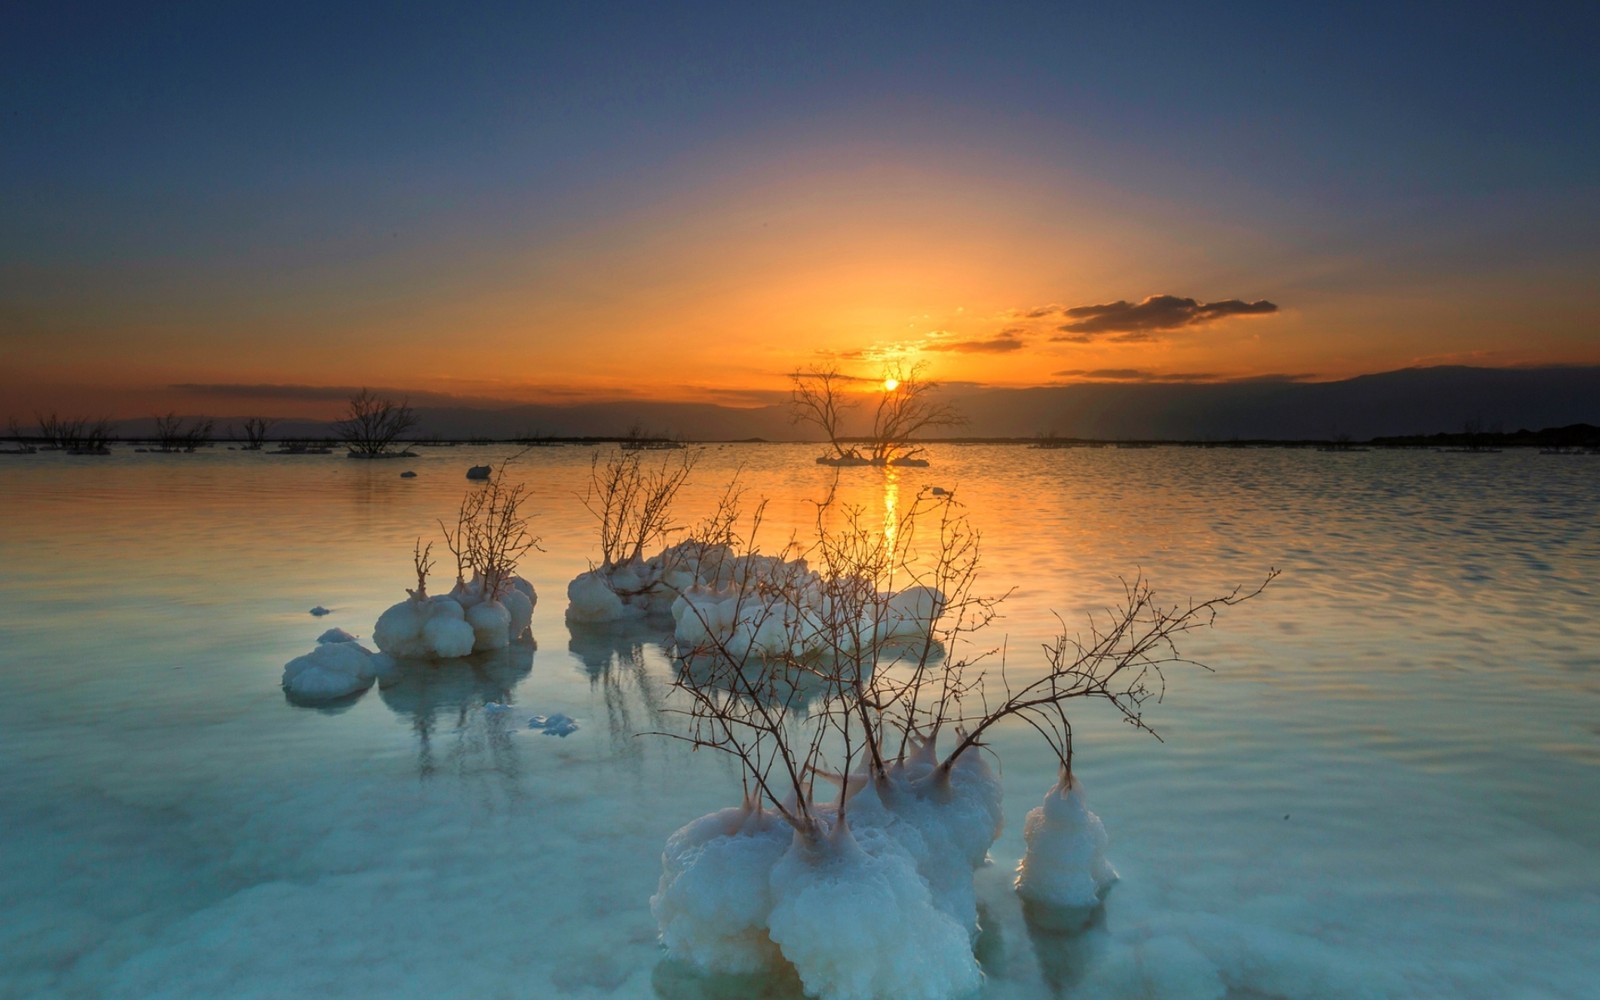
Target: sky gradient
{"x": 221, "y": 208}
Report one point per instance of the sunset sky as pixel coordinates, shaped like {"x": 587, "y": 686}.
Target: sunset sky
{"x": 237, "y": 208}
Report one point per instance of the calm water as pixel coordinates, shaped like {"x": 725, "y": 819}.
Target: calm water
{"x": 1390, "y": 786}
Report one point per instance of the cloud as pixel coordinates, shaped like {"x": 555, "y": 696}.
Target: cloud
{"x": 1157, "y": 312}
{"x": 299, "y": 393}
{"x": 1135, "y": 375}
{"x": 1003, "y": 343}
{"x": 1144, "y": 375}
{"x": 489, "y": 396}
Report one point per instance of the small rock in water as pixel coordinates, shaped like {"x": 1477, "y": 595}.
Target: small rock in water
{"x": 335, "y": 635}
{"x": 495, "y": 708}
{"x": 408, "y": 474}
{"x": 554, "y": 725}
{"x": 319, "y": 611}
{"x": 479, "y": 472}
{"x": 939, "y": 491}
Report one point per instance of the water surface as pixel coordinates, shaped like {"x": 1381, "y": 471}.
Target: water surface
{"x": 1389, "y": 787}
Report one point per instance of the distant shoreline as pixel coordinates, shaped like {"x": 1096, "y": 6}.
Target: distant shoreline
{"x": 1575, "y": 437}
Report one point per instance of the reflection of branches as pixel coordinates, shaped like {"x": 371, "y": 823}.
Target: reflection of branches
{"x": 617, "y": 667}
{"x": 432, "y": 694}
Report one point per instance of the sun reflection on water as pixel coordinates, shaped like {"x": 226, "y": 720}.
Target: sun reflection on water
{"x": 891, "y": 506}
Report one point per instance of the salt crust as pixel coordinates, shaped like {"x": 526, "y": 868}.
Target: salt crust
{"x": 1065, "y": 867}
{"x": 452, "y": 625}
{"x": 749, "y": 604}
{"x": 880, "y": 904}
{"x": 337, "y": 668}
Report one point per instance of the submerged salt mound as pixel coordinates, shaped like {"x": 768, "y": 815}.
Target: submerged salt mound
{"x": 714, "y": 896}
{"x": 1065, "y": 867}
{"x": 335, "y": 669}
{"x": 453, "y": 625}
{"x": 857, "y": 922}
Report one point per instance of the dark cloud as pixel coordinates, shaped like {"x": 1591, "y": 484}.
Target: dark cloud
{"x": 1157, "y": 312}
{"x": 301, "y": 393}
{"x": 1042, "y": 311}
{"x": 1003, "y": 343}
{"x": 1279, "y": 377}
{"x": 1135, "y": 375}
{"x": 1143, "y": 375}
{"x": 747, "y": 397}
{"x": 342, "y": 393}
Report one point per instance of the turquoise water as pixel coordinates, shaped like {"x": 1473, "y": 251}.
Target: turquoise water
{"x": 1390, "y": 785}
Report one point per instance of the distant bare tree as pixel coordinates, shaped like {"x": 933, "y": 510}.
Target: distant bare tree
{"x": 907, "y": 408}
{"x": 816, "y": 398}
{"x": 75, "y": 435}
{"x": 255, "y": 432}
{"x": 373, "y": 423}
{"x": 173, "y": 435}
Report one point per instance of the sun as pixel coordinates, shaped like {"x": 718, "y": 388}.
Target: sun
{"x": 891, "y": 384}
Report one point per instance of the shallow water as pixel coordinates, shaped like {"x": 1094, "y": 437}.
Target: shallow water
{"x": 1389, "y": 787}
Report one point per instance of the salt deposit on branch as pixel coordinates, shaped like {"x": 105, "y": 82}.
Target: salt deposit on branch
{"x": 1064, "y": 873}
{"x": 846, "y": 659}
{"x": 489, "y": 606}
{"x": 829, "y": 670}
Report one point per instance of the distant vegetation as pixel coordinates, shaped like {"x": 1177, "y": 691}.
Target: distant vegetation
{"x": 174, "y": 434}
{"x": 75, "y": 435}
{"x": 255, "y": 432}
{"x": 373, "y": 423}
{"x": 905, "y": 409}
{"x": 1574, "y": 436}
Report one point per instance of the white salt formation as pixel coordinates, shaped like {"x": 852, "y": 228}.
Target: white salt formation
{"x": 338, "y": 667}
{"x": 637, "y": 588}
{"x": 879, "y": 905}
{"x": 856, "y": 921}
{"x": 715, "y": 893}
{"x": 751, "y": 604}
{"x": 555, "y": 724}
{"x": 945, "y": 821}
{"x": 1065, "y": 867}
{"x": 458, "y": 623}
